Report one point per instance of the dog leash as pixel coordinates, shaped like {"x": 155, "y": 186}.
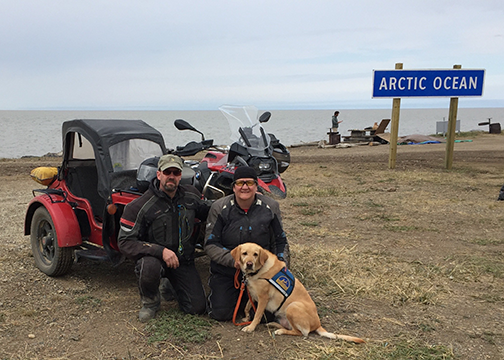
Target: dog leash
{"x": 242, "y": 289}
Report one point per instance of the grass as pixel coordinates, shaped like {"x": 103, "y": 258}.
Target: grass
{"x": 300, "y": 204}
{"x": 29, "y": 312}
{"x": 487, "y": 242}
{"x": 311, "y": 191}
{"x": 464, "y": 134}
{"x": 399, "y": 349}
{"x": 330, "y": 274}
{"x": 347, "y": 272}
{"x": 410, "y": 350}
{"x": 427, "y": 207}
{"x": 310, "y": 212}
{"x": 490, "y": 298}
{"x": 174, "y": 326}
{"x": 377, "y": 217}
{"x": 401, "y": 228}
{"x": 373, "y": 204}
{"x": 88, "y": 300}
{"x": 494, "y": 267}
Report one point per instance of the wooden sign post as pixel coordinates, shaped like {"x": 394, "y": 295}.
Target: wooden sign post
{"x": 394, "y": 127}
{"x": 450, "y": 134}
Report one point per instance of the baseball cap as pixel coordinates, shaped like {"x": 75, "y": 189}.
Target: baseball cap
{"x": 168, "y": 161}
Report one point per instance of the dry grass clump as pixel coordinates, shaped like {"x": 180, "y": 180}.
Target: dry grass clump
{"x": 399, "y": 350}
{"x": 312, "y": 191}
{"x": 348, "y": 272}
{"x": 474, "y": 268}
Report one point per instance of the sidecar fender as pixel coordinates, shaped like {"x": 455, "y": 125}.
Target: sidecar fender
{"x": 64, "y": 219}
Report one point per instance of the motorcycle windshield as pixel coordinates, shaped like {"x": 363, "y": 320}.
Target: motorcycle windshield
{"x": 246, "y": 129}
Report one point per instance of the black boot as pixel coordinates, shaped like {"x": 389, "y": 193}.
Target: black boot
{"x": 149, "y": 308}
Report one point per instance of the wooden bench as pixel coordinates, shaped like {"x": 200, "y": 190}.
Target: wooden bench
{"x": 366, "y": 135}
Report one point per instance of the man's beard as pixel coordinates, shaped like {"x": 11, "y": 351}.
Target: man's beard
{"x": 170, "y": 186}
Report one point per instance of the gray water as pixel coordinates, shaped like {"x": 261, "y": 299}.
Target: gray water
{"x": 24, "y": 133}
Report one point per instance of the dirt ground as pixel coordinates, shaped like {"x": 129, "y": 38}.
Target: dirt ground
{"x": 424, "y": 263}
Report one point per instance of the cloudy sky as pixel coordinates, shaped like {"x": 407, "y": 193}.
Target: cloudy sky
{"x": 184, "y": 55}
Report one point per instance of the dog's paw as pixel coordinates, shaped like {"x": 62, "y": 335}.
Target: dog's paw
{"x": 248, "y": 329}
{"x": 245, "y": 319}
{"x": 279, "y": 332}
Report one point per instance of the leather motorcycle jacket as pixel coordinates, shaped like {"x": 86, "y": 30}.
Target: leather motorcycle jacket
{"x": 229, "y": 226}
{"x": 155, "y": 221}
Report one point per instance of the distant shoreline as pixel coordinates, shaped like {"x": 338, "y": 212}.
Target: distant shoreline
{"x": 26, "y": 133}
{"x": 403, "y": 106}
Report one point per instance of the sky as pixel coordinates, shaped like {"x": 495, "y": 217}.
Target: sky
{"x": 275, "y": 54}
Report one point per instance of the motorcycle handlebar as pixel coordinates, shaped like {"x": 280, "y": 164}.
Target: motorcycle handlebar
{"x": 193, "y": 147}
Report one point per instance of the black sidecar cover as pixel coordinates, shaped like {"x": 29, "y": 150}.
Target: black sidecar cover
{"x": 105, "y": 135}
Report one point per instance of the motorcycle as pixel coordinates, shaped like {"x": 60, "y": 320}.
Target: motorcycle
{"x": 251, "y": 146}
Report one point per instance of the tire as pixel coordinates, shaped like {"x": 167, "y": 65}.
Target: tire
{"x": 51, "y": 259}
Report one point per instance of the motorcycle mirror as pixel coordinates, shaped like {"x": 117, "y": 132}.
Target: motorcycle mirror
{"x": 264, "y": 117}
{"x": 184, "y": 125}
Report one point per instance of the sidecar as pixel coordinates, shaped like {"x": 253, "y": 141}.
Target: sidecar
{"x": 78, "y": 214}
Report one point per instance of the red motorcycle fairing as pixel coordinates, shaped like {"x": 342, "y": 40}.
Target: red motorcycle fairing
{"x": 275, "y": 187}
{"x": 275, "y": 182}
{"x": 216, "y": 162}
{"x": 213, "y": 158}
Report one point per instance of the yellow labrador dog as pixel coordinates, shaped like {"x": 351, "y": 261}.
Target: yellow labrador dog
{"x": 296, "y": 313}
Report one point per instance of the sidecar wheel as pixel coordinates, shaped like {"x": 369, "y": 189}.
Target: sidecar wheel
{"x": 49, "y": 257}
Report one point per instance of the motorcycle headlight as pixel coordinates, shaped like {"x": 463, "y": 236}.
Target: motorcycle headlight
{"x": 265, "y": 166}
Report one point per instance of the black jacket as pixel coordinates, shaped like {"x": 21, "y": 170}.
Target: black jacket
{"x": 229, "y": 226}
{"x": 155, "y": 221}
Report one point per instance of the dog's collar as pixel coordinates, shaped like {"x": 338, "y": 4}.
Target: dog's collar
{"x": 245, "y": 275}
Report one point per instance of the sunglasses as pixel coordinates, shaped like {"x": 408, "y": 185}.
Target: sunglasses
{"x": 249, "y": 183}
{"x": 175, "y": 172}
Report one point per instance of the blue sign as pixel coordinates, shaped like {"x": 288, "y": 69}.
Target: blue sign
{"x": 433, "y": 83}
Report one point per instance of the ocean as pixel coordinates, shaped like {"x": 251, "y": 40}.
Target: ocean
{"x": 36, "y": 133}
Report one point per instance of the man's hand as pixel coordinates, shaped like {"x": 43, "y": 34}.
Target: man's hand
{"x": 237, "y": 265}
{"x": 170, "y": 258}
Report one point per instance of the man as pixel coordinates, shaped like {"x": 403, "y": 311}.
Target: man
{"x": 244, "y": 216}
{"x": 156, "y": 232}
{"x": 335, "y": 122}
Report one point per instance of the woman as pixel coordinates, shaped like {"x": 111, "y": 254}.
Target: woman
{"x": 244, "y": 216}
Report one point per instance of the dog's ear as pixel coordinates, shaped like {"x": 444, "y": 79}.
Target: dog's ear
{"x": 235, "y": 253}
{"x": 263, "y": 256}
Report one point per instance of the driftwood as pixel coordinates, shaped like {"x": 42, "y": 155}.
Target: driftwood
{"x": 322, "y": 144}
{"x": 312, "y": 143}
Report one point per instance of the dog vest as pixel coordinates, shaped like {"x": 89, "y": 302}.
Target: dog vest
{"x": 284, "y": 282}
